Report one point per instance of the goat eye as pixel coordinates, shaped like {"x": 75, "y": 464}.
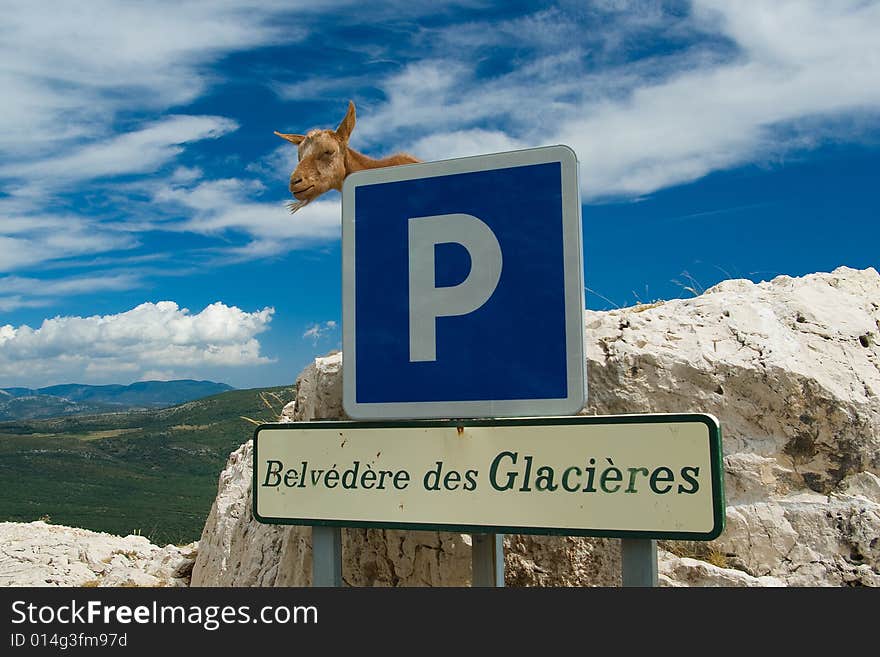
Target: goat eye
{"x": 328, "y": 152}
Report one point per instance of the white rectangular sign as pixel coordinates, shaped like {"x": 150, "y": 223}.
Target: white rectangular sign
{"x": 656, "y": 476}
{"x": 463, "y": 288}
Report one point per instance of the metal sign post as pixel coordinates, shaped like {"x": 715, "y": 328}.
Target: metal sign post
{"x": 639, "y": 562}
{"x": 487, "y": 560}
{"x": 326, "y": 556}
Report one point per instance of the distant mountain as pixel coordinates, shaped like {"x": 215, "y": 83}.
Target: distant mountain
{"x": 79, "y": 399}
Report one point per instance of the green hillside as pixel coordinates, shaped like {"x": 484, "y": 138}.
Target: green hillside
{"x": 153, "y": 472}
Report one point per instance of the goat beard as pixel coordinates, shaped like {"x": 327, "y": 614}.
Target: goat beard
{"x": 293, "y": 206}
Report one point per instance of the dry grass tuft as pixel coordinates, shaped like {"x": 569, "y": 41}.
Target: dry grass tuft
{"x": 642, "y": 307}
{"x": 699, "y": 550}
{"x": 273, "y": 402}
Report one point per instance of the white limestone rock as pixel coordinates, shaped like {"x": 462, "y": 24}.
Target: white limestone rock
{"x": 319, "y": 392}
{"x": 685, "y": 571}
{"x": 791, "y": 367}
{"x": 40, "y": 554}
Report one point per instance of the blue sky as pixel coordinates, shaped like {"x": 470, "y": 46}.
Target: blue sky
{"x": 143, "y": 232}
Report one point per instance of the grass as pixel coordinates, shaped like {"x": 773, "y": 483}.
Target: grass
{"x": 642, "y": 307}
{"x": 691, "y": 285}
{"x": 154, "y": 472}
{"x": 271, "y": 401}
{"x": 703, "y": 551}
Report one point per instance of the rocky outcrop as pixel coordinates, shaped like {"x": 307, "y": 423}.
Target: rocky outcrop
{"x": 235, "y": 550}
{"x": 238, "y": 551}
{"x": 685, "y": 571}
{"x": 40, "y": 554}
{"x": 318, "y": 392}
{"x": 791, "y": 367}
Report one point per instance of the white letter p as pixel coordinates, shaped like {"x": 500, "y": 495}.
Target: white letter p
{"x": 427, "y": 302}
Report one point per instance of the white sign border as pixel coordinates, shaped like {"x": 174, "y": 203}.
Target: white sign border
{"x": 573, "y": 270}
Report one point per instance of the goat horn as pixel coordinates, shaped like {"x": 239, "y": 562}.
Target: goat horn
{"x": 293, "y": 139}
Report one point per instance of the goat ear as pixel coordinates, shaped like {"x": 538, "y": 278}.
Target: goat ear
{"x": 347, "y": 125}
{"x": 293, "y": 139}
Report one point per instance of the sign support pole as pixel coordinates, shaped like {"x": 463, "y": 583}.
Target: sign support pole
{"x": 326, "y": 556}
{"x": 639, "y": 562}
{"x": 487, "y": 560}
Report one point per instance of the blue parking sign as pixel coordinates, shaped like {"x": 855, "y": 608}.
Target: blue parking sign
{"x": 463, "y": 288}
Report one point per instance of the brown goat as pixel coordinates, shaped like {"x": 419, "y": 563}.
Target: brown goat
{"x": 325, "y": 159}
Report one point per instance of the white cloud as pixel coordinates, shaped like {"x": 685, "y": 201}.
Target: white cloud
{"x": 148, "y": 337}
{"x": 424, "y": 95}
{"x": 745, "y": 81}
{"x": 758, "y": 79}
{"x": 16, "y": 301}
{"x": 798, "y": 60}
{"x": 277, "y": 165}
{"x": 43, "y": 292}
{"x": 319, "y": 331}
{"x": 462, "y": 143}
{"x": 84, "y": 88}
{"x": 157, "y": 375}
{"x": 28, "y": 239}
{"x": 314, "y": 88}
{"x": 217, "y": 206}
{"x": 69, "y": 67}
{"x": 140, "y": 151}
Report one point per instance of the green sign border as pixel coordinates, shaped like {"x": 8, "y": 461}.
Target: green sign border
{"x": 715, "y": 457}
